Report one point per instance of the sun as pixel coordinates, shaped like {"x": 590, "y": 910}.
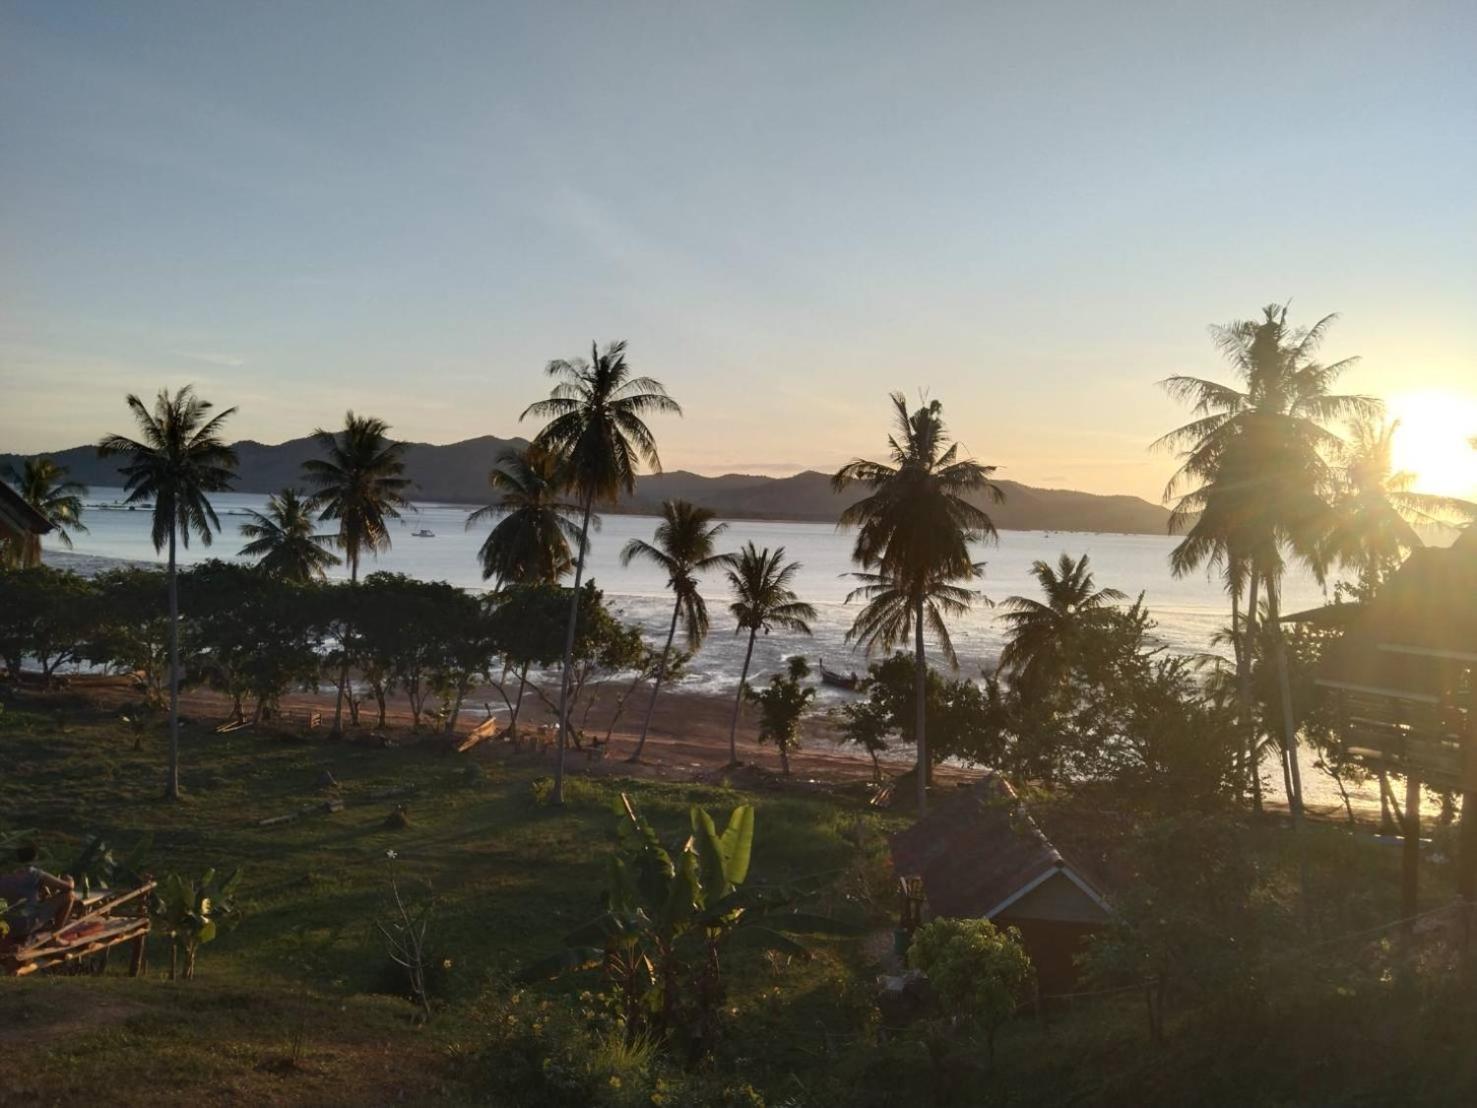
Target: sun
{"x": 1435, "y": 441}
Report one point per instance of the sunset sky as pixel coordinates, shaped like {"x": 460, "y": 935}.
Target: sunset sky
{"x": 788, "y": 210}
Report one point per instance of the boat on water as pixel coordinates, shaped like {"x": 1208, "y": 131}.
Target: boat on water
{"x": 423, "y": 533}
{"x": 849, "y": 681}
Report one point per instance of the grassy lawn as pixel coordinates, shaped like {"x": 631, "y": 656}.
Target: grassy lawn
{"x": 305, "y": 963}
{"x": 298, "y": 1002}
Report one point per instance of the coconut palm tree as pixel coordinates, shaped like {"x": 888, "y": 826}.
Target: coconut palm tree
{"x": 1042, "y": 633}
{"x": 1375, "y": 510}
{"x": 178, "y": 459}
{"x": 915, "y": 528}
{"x": 44, "y": 485}
{"x": 531, "y": 542}
{"x": 285, "y": 542}
{"x": 685, "y": 547}
{"x": 360, "y": 482}
{"x": 762, "y": 600}
{"x": 596, "y": 428}
{"x": 1255, "y": 470}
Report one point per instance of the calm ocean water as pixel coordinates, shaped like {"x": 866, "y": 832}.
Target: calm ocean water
{"x": 1188, "y": 610}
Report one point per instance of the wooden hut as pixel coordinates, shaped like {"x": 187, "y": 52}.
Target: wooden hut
{"x": 980, "y": 854}
{"x": 20, "y": 524}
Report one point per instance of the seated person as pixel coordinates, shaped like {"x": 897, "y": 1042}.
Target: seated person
{"x": 34, "y": 899}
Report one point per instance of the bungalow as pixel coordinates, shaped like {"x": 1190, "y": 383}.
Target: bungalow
{"x": 21, "y": 526}
{"x": 980, "y": 854}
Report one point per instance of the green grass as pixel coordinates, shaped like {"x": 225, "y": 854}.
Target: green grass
{"x": 508, "y": 874}
{"x": 298, "y": 1003}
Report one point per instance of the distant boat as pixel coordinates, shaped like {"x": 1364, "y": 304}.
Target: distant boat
{"x": 848, "y": 681}
{"x": 423, "y": 533}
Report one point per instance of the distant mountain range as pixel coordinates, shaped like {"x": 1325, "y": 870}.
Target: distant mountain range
{"x": 456, "y": 473}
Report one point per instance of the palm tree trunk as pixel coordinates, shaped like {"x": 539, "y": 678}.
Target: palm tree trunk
{"x": 920, "y": 690}
{"x": 518, "y": 704}
{"x": 574, "y": 615}
{"x": 343, "y": 675}
{"x": 1289, "y": 725}
{"x": 656, "y": 685}
{"x": 1242, "y": 644}
{"x": 171, "y": 784}
{"x": 738, "y": 700}
{"x": 1248, "y": 647}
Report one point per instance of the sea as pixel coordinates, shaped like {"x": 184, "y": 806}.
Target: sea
{"x": 1187, "y": 611}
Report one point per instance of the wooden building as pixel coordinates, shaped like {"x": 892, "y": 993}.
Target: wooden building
{"x": 21, "y": 526}
{"x": 980, "y": 854}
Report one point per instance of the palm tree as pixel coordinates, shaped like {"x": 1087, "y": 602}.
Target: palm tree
{"x": 531, "y": 542}
{"x": 1254, "y": 474}
{"x": 178, "y": 459}
{"x": 762, "y": 601}
{"x": 360, "y": 481}
{"x": 285, "y": 542}
{"x": 44, "y": 485}
{"x": 597, "y": 430}
{"x": 1375, "y": 509}
{"x": 1042, "y": 633}
{"x": 685, "y": 547}
{"x": 915, "y": 529}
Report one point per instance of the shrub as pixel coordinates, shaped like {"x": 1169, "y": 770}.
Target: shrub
{"x": 977, "y": 970}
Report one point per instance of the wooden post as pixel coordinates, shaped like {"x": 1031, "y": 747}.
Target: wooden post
{"x": 1411, "y": 853}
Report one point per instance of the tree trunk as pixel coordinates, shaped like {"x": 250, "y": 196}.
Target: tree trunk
{"x": 1289, "y": 725}
{"x": 171, "y": 784}
{"x": 920, "y": 692}
{"x": 738, "y": 701}
{"x": 343, "y": 674}
{"x": 656, "y": 685}
{"x": 518, "y": 704}
{"x": 557, "y": 798}
{"x": 1248, "y": 645}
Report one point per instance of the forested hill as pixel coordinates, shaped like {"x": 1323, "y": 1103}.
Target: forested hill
{"x": 457, "y": 473}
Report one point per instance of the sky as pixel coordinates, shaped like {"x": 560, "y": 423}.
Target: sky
{"x": 1029, "y": 211}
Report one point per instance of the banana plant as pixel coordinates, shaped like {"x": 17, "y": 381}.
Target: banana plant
{"x": 668, "y": 910}
{"x": 189, "y": 912}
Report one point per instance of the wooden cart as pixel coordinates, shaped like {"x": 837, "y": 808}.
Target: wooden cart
{"x": 107, "y": 918}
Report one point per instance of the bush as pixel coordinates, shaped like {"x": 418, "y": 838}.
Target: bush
{"x": 977, "y": 970}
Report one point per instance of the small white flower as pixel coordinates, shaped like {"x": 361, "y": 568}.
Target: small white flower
{"x": 390, "y": 854}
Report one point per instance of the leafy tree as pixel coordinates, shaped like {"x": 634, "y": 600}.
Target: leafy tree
{"x": 685, "y": 546}
{"x": 780, "y": 707}
{"x": 762, "y": 600}
{"x": 977, "y": 970}
{"x": 597, "y": 430}
{"x": 1192, "y": 919}
{"x": 1042, "y": 634}
{"x": 1376, "y": 510}
{"x": 1254, "y": 475}
{"x": 525, "y": 628}
{"x": 179, "y": 459}
{"x": 914, "y": 531}
{"x": 132, "y": 633}
{"x": 530, "y": 544}
{"x": 868, "y": 723}
{"x": 360, "y": 482}
{"x": 46, "y": 614}
{"x": 43, "y": 485}
{"x": 285, "y": 542}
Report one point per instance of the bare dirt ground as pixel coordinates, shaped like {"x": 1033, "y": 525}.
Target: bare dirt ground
{"x": 688, "y": 739}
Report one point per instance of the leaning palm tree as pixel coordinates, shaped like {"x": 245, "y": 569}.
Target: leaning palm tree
{"x": 1042, "y": 633}
{"x": 285, "y": 540}
{"x": 1376, "y": 511}
{"x": 915, "y": 527}
{"x": 531, "y": 542}
{"x": 44, "y": 485}
{"x": 762, "y": 600}
{"x": 597, "y": 430}
{"x": 177, "y": 460}
{"x": 360, "y": 482}
{"x": 1254, "y": 476}
{"x": 685, "y": 547}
